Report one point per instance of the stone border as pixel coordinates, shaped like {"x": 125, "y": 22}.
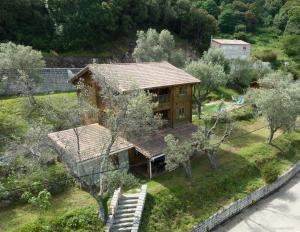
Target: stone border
{"x": 139, "y": 209}
{"x": 235, "y": 207}
{"x": 113, "y": 207}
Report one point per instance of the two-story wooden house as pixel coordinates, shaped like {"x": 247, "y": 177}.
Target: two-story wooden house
{"x": 173, "y": 91}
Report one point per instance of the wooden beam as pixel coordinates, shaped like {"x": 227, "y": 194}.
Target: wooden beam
{"x": 150, "y": 169}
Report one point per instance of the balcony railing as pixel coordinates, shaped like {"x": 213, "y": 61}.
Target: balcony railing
{"x": 163, "y": 98}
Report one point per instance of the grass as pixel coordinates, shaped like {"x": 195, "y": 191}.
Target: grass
{"x": 212, "y": 108}
{"x": 223, "y": 93}
{"x": 13, "y": 114}
{"x": 15, "y": 217}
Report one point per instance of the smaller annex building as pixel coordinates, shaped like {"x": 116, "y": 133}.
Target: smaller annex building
{"x": 81, "y": 154}
{"x": 145, "y": 155}
{"x": 232, "y": 48}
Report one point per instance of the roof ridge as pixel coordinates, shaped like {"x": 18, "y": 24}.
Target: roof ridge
{"x": 129, "y": 63}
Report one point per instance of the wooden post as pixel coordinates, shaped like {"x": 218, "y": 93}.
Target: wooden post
{"x": 150, "y": 169}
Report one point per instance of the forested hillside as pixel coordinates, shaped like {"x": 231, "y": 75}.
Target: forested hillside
{"x": 88, "y": 25}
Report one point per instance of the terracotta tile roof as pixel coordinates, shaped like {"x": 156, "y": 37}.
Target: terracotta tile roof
{"x": 143, "y": 75}
{"x": 155, "y": 144}
{"x": 93, "y": 141}
{"x": 230, "y": 41}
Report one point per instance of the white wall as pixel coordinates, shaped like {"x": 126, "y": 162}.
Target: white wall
{"x": 236, "y": 51}
{"x": 93, "y": 166}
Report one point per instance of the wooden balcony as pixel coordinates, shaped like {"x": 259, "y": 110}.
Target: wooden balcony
{"x": 163, "y": 102}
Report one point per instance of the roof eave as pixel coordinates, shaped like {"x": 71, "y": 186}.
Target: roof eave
{"x": 79, "y": 74}
{"x": 163, "y": 86}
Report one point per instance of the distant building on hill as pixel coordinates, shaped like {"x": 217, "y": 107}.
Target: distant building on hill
{"x": 232, "y": 48}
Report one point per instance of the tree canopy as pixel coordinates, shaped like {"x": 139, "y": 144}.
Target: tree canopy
{"x": 154, "y": 46}
{"x": 21, "y": 64}
{"x": 211, "y": 76}
{"x": 278, "y": 100}
{"x": 88, "y": 24}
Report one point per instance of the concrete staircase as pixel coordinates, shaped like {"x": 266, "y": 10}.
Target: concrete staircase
{"x": 126, "y": 211}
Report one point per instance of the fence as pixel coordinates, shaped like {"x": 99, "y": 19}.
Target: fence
{"x": 237, "y": 206}
{"x": 52, "y": 79}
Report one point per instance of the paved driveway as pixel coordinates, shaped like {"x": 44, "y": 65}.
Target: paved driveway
{"x": 278, "y": 212}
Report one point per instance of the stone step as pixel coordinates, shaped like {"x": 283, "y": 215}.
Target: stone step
{"x": 128, "y": 229}
{"x": 122, "y": 225}
{"x": 125, "y": 210}
{"x": 123, "y": 219}
{"x": 130, "y": 196}
{"x": 128, "y": 201}
{"x": 127, "y": 206}
{"x": 124, "y": 215}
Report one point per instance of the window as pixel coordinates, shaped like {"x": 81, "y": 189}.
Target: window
{"x": 180, "y": 113}
{"x": 164, "y": 114}
{"x": 181, "y": 90}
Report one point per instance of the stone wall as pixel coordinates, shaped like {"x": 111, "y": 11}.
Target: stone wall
{"x": 139, "y": 209}
{"x": 52, "y": 79}
{"x": 234, "y": 208}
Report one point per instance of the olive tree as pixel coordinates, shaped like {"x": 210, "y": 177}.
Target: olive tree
{"x": 243, "y": 72}
{"x": 211, "y": 76}
{"x": 22, "y": 65}
{"x": 178, "y": 154}
{"x": 216, "y": 56}
{"x": 153, "y": 46}
{"x": 278, "y": 100}
{"x": 208, "y": 142}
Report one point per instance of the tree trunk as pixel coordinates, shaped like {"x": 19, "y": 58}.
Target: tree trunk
{"x": 100, "y": 199}
{"x": 187, "y": 169}
{"x": 199, "y": 110}
{"x": 32, "y": 100}
{"x": 101, "y": 210}
{"x": 271, "y": 135}
{"x": 102, "y": 213}
{"x": 212, "y": 157}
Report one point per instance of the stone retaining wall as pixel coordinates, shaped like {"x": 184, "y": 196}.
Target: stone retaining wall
{"x": 52, "y": 79}
{"x": 140, "y": 208}
{"x": 234, "y": 208}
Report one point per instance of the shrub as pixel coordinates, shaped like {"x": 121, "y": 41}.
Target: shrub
{"x": 240, "y": 28}
{"x": 54, "y": 179}
{"x": 243, "y": 36}
{"x": 267, "y": 56}
{"x": 243, "y": 113}
{"x": 270, "y": 172}
{"x": 82, "y": 219}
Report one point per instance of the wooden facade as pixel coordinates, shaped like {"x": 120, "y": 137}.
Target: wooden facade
{"x": 174, "y": 102}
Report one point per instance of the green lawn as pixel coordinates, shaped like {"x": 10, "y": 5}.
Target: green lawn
{"x": 213, "y": 108}
{"x": 13, "y": 114}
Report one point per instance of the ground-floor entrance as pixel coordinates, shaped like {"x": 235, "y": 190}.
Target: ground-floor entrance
{"x": 144, "y": 166}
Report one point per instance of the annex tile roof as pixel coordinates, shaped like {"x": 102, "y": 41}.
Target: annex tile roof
{"x": 230, "y": 41}
{"x": 93, "y": 140}
{"x": 155, "y": 144}
{"x": 141, "y": 75}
